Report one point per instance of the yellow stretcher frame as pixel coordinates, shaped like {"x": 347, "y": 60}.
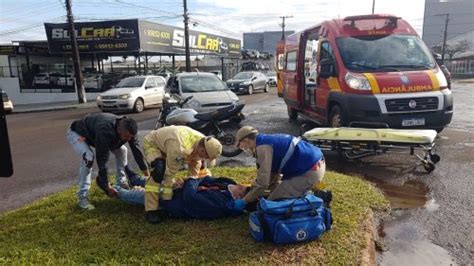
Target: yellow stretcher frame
{"x": 356, "y": 143}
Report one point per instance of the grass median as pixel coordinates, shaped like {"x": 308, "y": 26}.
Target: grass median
{"x": 54, "y": 230}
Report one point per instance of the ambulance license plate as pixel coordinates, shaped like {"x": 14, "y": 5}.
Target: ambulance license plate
{"x": 413, "y": 122}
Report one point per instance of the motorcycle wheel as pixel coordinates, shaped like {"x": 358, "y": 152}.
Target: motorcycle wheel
{"x": 158, "y": 120}
{"x": 227, "y": 139}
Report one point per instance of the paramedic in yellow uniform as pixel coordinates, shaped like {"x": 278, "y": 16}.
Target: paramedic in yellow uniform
{"x": 167, "y": 149}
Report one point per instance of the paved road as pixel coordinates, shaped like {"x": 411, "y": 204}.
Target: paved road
{"x": 432, "y": 218}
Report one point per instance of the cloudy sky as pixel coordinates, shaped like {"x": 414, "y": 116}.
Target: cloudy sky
{"x": 23, "y": 19}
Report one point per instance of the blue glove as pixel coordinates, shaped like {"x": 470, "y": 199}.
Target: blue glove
{"x": 239, "y": 204}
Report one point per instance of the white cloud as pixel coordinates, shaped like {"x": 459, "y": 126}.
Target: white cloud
{"x": 250, "y": 15}
{"x": 232, "y": 18}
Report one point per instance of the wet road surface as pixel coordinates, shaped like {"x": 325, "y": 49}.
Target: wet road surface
{"x": 431, "y": 220}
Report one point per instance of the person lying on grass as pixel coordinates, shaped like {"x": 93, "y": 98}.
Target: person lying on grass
{"x": 196, "y": 198}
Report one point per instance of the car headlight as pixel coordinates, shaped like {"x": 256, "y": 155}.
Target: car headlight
{"x": 99, "y": 98}
{"x": 357, "y": 82}
{"x": 193, "y": 104}
{"x": 443, "y": 83}
{"x": 246, "y": 82}
{"x": 124, "y": 96}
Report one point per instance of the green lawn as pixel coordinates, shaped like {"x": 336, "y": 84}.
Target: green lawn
{"x": 54, "y": 231}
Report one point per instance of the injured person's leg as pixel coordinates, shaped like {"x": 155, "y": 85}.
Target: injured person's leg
{"x": 133, "y": 196}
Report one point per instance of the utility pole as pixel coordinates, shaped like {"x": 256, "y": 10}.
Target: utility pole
{"x": 444, "y": 37}
{"x": 283, "y": 26}
{"x": 186, "y": 36}
{"x": 373, "y": 6}
{"x": 81, "y": 93}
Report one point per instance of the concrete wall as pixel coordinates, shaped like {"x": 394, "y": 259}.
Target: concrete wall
{"x": 12, "y": 87}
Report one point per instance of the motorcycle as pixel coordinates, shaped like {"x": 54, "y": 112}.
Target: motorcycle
{"x": 221, "y": 123}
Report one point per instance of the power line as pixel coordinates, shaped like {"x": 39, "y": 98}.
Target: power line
{"x": 144, "y": 7}
{"x": 28, "y": 27}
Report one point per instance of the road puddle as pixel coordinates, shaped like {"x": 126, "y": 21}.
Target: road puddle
{"x": 411, "y": 194}
{"x": 404, "y": 245}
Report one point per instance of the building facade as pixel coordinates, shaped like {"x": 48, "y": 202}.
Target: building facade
{"x": 461, "y": 19}
{"x": 263, "y": 41}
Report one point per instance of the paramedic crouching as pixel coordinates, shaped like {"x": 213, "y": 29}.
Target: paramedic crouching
{"x": 296, "y": 162}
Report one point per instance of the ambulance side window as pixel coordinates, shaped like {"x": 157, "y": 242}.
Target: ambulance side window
{"x": 310, "y": 59}
{"x": 291, "y": 61}
{"x": 326, "y": 51}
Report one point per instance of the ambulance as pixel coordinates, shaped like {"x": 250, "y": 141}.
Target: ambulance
{"x": 369, "y": 70}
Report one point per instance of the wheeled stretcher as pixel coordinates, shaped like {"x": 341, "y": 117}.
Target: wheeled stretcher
{"x": 356, "y": 143}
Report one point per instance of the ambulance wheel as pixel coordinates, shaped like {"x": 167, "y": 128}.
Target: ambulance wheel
{"x": 139, "y": 106}
{"x": 429, "y": 167}
{"x": 292, "y": 113}
{"x": 435, "y": 158}
{"x": 336, "y": 119}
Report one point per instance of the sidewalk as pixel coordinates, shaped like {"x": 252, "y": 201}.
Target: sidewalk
{"x": 44, "y": 107}
{"x": 470, "y": 80}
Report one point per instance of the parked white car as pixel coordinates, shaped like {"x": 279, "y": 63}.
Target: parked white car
{"x": 7, "y": 103}
{"x": 66, "y": 80}
{"x": 133, "y": 94}
{"x": 93, "y": 81}
{"x": 41, "y": 79}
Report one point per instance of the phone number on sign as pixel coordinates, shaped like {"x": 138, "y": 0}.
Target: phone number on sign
{"x": 111, "y": 46}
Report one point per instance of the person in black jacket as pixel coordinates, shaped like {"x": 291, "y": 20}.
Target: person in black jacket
{"x": 107, "y": 133}
{"x": 197, "y": 198}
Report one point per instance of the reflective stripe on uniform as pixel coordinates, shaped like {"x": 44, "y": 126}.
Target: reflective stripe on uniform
{"x": 150, "y": 150}
{"x": 188, "y": 139}
{"x": 152, "y": 188}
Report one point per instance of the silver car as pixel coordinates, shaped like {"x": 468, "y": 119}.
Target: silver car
{"x": 133, "y": 94}
{"x": 208, "y": 91}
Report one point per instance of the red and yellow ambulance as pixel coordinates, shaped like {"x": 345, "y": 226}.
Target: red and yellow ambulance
{"x": 365, "y": 69}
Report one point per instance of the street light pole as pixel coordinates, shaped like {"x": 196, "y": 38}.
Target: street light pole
{"x": 373, "y": 6}
{"x": 186, "y": 36}
{"x": 283, "y": 26}
{"x": 81, "y": 93}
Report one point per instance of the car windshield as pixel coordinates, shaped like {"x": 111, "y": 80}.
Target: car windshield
{"x": 131, "y": 82}
{"x": 200, "y": 83}
{"x": 243, "y": 75}
{"x": 386, "y": 53}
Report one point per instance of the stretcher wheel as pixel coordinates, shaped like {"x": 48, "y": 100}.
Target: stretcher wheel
{"x": 435, "y": 158}
{"x": 429, "y": 167}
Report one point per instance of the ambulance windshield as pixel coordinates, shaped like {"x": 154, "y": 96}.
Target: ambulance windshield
{"x": 384, "y": 53}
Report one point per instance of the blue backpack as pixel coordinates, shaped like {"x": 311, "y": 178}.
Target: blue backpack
{"x": 290, "y": 220}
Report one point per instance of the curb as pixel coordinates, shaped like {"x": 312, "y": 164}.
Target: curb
{"x": 368, "y": 254}
{"x": 50, "y": 109}
{"x": 44, "y": 110}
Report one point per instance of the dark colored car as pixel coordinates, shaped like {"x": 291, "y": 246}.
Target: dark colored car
{"x": 272, "y": 79}
{"x": 248, "y": 82}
